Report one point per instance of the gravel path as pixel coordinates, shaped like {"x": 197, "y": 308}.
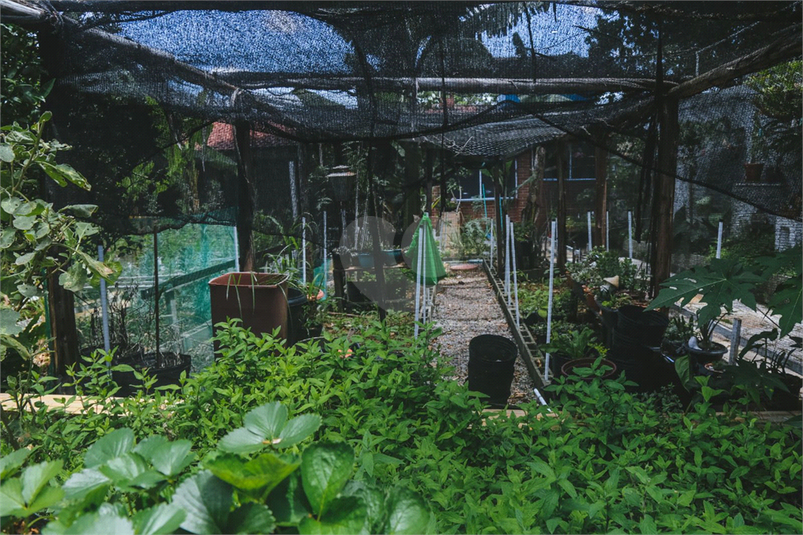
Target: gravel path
{"x": 465, "y": 307}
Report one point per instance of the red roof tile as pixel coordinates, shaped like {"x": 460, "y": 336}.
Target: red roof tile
{"x": 222, "y": 138}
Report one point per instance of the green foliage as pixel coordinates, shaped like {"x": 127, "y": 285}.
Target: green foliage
{"x": 474, "y": 237}
{"x": 600, "y": 264}
{"x": 23, "y": 91}
{"x": 406, "y": 438}
{"x": 573, "y": 344}
{"x": 720, "y": 283}
{"x": 37, "y": 240}
{"x": 139, "y": 488}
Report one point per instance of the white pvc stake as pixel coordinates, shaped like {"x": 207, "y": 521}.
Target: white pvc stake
{"x": 507, "y": 258}
{"x": 607, "y": 231}
{"x": 630, "y": 234}
{"x": 736, "y": 339}
{"x": 417, "y": 280}
{"x": 104, "y": 307}
{"x": 549, "y": 303}
{"x": 356, "y": 214}
{"x": 236, "y": 250}
{"x": 589, "y": 230}
{"x": 491, "y": 252}
{"x": 515, "y": 281}
{"x": 325, "y": 258}
{"x": 303, "y": 250}
{"x": 719, "y": 240}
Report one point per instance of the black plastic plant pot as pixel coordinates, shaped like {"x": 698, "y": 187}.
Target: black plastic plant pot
{"x": 173, "y": 364}
{"x": 490, "y": 367}
{"x": 648, "y": 326}
{"x": 706, "y": 356}
{"x": 568, "y": 368}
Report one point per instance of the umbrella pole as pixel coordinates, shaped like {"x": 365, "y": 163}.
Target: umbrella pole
{"x": 417, "y": 281}
{"x": 424, "y": 281}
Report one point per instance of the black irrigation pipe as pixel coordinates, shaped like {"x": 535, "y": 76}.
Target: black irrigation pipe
{"x": 524, "y": 340}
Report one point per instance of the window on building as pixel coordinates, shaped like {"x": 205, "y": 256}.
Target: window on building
{"x": 579, "y": 158}
{"x": 473, "y": 185}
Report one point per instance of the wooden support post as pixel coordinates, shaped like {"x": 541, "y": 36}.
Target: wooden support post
{"x": 245, "y": 194}
{"x": 601, "y": 192}
{"x": 665, "y": 192}
{"x": 62, "y": 325}
{"x": 561, "y": 168}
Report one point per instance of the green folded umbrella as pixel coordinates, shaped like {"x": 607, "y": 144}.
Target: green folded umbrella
{"x": 434, "y": 270}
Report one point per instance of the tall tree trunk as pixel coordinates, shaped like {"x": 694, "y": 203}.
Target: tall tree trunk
{"x": 665, "y": 193}
{"x": 245, "y": 194}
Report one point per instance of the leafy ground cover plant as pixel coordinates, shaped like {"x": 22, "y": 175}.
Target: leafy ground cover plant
{"x": 604, "y": 460}
{"x": 131, "y": 487}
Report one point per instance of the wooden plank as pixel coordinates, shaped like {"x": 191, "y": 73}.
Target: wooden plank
{"x": 665, "y": 192}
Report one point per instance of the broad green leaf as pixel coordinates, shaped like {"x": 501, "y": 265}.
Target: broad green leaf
{"x": 787, "y": 301}
{"x": 407, "y": 512}
{"x": 374, "y": 501}
{"x": 158, "y": 520}
{"x": 721, "y": 282}
{"x": 251, "y": 518}
{"x": 647, "y": 525}
{"x": 24, "y": 259}
{"x": 10, "y": 463}
{"x": 542, "y": 468}
{"x": 288, "y": 503}
{"x": 117, "y": 443}
{"x": 297, "y": 430}
{"x": 92, "y": 523}
{"x": 63, "y": 173}
{"x": 48, "y": 497}
{"x": 121, "y": 470}
{"x": 37, "y": 476}
{"x": 8, "y": 325}
{"x": 241, "y": 440}
{"x": 206, "y": 500}
{"x": 147, "y": 479}
{"x": 264, "y": 472}
{"x": 85, "y": 483}
{"x": 7, "y": 237}
{"x": 347, "y": 515}
{"x": 11, "y": 501}
{"x": 146, "y": 448}
{"x": 6, "y": 153}
{"x": 325, "y": 468}
{"x": 10, "y": 205}
{"x": 27, "y": 290}
{"x": 266, "y": 420}
{"x": 98, "y": 268}
{"x": 684, "y": 370}
{"x": 81, "y": 210}
{"x": 173, "y": 457}
{"x": 74, "y": 278}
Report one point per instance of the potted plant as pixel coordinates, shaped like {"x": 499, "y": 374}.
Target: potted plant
{"x": 677, "y": 334}
{"x": 573, "y": 349}
{"x": 718, "y": 284}
{"x": 258, "y": 299}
